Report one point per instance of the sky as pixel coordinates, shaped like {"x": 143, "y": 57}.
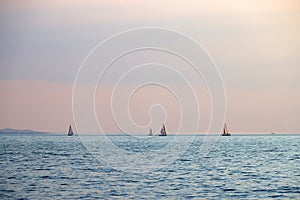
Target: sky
{"x": 254, "y": 43}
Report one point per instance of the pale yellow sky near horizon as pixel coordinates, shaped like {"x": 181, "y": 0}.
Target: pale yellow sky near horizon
{"x": 255, "y": 44}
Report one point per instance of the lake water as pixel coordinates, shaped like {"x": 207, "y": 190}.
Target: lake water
{"x": 237, "y": 167}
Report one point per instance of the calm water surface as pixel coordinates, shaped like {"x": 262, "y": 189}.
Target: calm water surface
{"x": 238, "y": 167}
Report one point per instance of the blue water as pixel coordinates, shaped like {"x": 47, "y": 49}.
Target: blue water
{"x": 238, "y": 167}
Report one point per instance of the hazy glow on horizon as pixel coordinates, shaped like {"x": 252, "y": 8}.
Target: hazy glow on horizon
{"x": 254, "y": 43}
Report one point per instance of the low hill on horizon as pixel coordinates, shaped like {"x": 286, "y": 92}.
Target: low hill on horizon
{"x": 23, "y": 132}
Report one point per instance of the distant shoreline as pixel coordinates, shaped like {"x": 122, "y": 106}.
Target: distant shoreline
{"x": 11, "y": 131}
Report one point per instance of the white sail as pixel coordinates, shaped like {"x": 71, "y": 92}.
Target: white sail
{"x": 70, "y": 131}
{"x": 150, "y": 132}
{"x": 163, "y": 131}
{"x": 225, "y": 131}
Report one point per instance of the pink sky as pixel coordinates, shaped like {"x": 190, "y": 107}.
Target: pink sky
{"x": 36, "y": 105}
{"x": 47, "y": 106}
{"x": 255, "y": 44}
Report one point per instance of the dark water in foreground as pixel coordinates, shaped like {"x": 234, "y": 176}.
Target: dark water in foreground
{"x": 238, "y": 167}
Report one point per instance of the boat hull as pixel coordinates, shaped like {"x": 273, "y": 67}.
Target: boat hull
{"x": 226, "y": 134}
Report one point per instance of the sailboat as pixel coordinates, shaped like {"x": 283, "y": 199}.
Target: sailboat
{"x": 150, "y": 132}
{"x": 225, "y": 131}
{"x": 70, "y": 131}
{"x": 163, "y": 131}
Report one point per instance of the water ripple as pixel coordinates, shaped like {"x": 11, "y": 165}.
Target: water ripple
{"x": 239, "y": 167}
